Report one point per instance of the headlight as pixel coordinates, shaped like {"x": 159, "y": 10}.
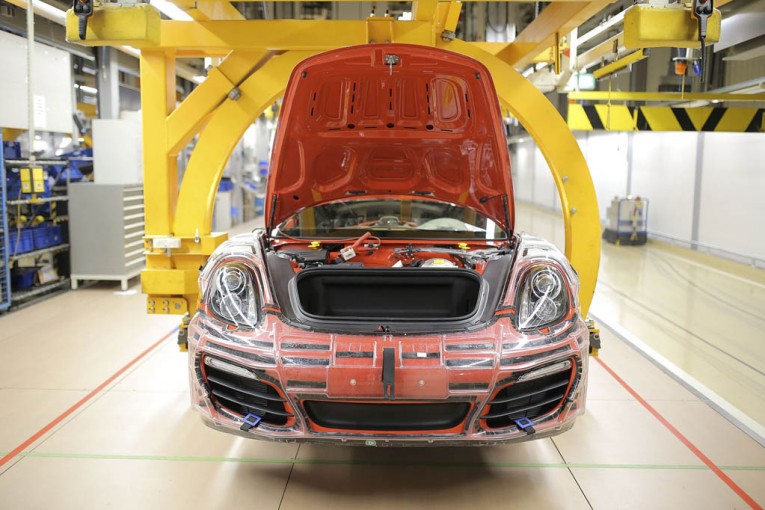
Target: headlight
{"x": 543, "y": 299}
{"x": 233, "y": 298}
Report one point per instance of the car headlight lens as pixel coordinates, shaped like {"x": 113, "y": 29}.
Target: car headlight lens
{"x": 543, "y": 299}
{"x": 233, "y": 299}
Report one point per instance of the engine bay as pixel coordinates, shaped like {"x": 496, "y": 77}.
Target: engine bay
{"x": 369, "y": 251}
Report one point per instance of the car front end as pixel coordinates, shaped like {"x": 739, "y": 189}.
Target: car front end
{"x": 389, "y": 300}
{"x": 514, "y": 373}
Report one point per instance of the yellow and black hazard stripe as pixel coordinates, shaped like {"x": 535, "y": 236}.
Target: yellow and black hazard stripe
{"x": 665, "y": 118}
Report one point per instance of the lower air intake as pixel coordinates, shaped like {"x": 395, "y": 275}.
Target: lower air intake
{"x": 357, "y": 416}
{"x": 244, "y": 395}
{"x": 527, "y": 399}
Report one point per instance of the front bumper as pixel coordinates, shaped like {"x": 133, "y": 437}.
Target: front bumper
{"x": 468, "y": 388}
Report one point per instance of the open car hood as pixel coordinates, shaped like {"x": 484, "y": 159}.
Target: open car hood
{"x": 390, "y": 119}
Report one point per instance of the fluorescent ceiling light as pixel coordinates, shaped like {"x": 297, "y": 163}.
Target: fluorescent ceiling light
{"x": 198, "y": 78}
{"x": 171, "y": 10}
{"x": 131, "y": 51}
{"x": 48, "y": 11}
{"x": 87, "y": 89}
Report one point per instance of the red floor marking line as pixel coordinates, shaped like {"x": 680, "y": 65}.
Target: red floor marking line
{"x": 61, "y": 417}
{"x": 706, "y": 460}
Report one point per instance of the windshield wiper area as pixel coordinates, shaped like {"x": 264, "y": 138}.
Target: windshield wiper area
{"x": 470, "y": 257}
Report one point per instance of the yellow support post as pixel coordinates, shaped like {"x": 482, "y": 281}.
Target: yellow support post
{"x": 160, "y": 170}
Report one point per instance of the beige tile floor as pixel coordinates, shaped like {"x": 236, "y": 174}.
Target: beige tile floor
{"x": 137, "y": 445}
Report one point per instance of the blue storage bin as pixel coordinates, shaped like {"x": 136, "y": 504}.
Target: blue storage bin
{"x": 54, "y": 232}
{"x": 41, "y": 237}
{"x": 225, "y": 185}
{"x": 11, "y": 150}
{"x": 26, "y": 241}
{"x": 23, "y": 278}
{"x": 13, "y": 190}
{"x": 260, "y": 205}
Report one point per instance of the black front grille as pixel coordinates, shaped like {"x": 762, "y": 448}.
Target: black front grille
{"x": 243, "y": 395}
{"x": 370, "y": 416}
{"x": 528, "y": 399}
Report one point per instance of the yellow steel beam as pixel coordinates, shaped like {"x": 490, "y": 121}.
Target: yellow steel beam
{"x": 616, "y": 117}
{"x": 450, "y": 16}
{"x": 647, "y": 26}
{"x": 597, "y": 95}
{"x": 424, "y": 10}
{"x": 620, "y": 64}
{"x": 581, "y": 216}
{"x": 160, "y": 169}
{"x": 216, "y": 141}
{"x": 204, "y": 10}
{"x": 187, "y": 119}
{"x": 558, "y": 18}
{"x": 610, "y": 46}
{"x": 137, "y": 25}
{"x": 491, "y": 48}
{"x": 218, "y": 37}
{"x": 279, "y": 35}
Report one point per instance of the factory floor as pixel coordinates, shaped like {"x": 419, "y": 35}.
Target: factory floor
{"x": 95, "y": 412}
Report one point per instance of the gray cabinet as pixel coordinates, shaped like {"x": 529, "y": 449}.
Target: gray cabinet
{"x": 106, "y": 232}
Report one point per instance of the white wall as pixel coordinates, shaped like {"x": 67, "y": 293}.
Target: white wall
{"x": 607, "y": 158}
{"x": 117, "y": 151}
{"x": 663, "y": 168}
{"x": 545, "y": 193}
{"x": 523, "y": 171}
{"x": 733, "y": 192}
{"x": 52, "y": 86}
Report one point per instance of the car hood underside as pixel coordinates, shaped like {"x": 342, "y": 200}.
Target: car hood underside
{"x": 390, "y": 119}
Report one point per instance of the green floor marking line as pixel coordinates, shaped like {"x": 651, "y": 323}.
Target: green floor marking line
{"x": 251, "y": 460}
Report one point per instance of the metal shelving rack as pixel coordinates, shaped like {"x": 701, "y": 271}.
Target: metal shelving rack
{"x": 42, "y": 290}
{"x": 5, "y": 270}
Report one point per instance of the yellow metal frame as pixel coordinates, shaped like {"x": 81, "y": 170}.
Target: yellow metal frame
{"x": 605, "y": 95}
{"x": 259, "y": 56}
{"x": 618, "y": 65}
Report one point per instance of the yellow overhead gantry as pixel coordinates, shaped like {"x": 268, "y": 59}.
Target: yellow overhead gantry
{"x": 259, "y": 56}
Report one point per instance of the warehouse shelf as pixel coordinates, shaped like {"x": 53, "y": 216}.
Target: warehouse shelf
{"x": 37, "y": 253}
{"x": 5, "y": 279}
{"x": 40, "y": 162}
{"x": 40, "y": 289}
{"x": 53, "y": 206}
{"x": 24, "y": 201}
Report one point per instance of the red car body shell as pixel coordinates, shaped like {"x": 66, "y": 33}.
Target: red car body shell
{"x": 391, "y": 121}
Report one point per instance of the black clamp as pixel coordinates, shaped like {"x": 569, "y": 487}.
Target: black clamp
{"x": 525, "y": 425}
{"x": 250, "y": 422}
{"x": 389, "y": 373}
{"x": 83, "y": 9}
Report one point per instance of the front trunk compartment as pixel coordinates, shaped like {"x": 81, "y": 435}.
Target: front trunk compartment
{"x": 388, "y": 295}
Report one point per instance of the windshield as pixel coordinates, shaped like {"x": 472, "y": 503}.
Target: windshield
{"x": 390, "y": 218}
